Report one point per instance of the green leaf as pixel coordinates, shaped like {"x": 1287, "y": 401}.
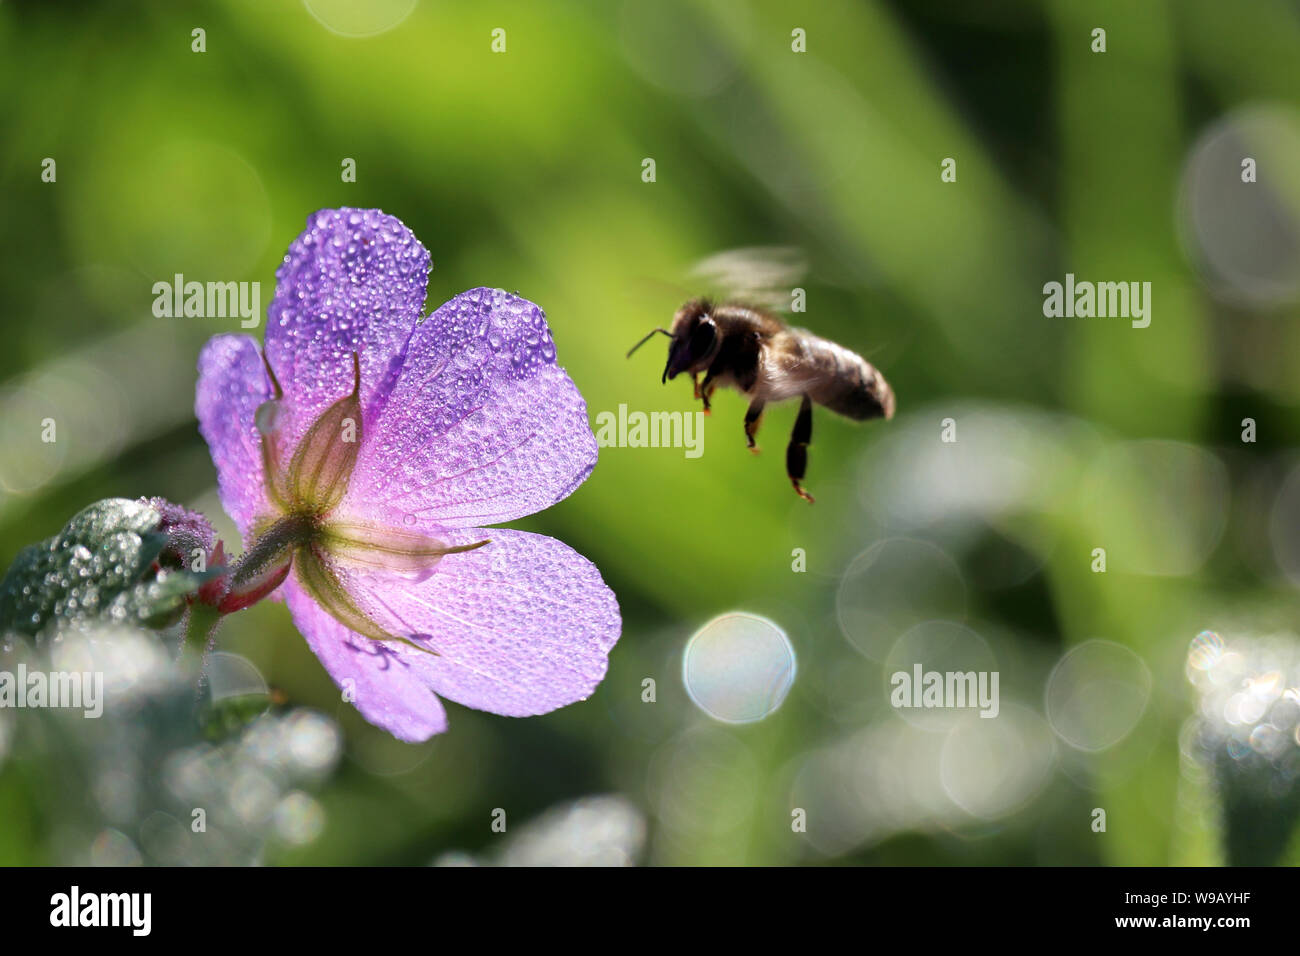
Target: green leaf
{"x": 101, "y": 565}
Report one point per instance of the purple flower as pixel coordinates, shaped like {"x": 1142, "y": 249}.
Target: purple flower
{"x": 359, "y": 457}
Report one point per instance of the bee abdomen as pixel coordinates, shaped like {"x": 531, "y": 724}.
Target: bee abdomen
{"x": 856, "y": 390}
{"x": 866, "y": 401}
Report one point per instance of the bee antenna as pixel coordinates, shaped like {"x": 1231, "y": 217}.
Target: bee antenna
{"x": 648, "y": 337}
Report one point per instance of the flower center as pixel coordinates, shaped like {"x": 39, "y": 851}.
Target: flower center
{"x": 304, "y": 533}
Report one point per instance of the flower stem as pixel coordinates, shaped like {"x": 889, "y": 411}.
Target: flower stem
{"x": 199, "y": 627}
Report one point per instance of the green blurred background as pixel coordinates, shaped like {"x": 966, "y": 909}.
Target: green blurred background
{"x": 523, "y": 170}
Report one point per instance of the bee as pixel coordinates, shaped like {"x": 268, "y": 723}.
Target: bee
{"x": 749, "y": 349}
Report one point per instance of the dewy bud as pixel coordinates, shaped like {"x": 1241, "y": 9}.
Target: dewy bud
{"x": 323, "y": 462}
{"x": 188, "y": 533}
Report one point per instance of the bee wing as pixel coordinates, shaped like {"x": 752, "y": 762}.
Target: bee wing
{"x": 762, "y": 276}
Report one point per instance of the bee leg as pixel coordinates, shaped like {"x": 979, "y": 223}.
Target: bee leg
{"x": 753, "y": 418}
{"x": 706, "y": 392}
{"x": 796, "y": 453}
{"x": 695, "y": 380}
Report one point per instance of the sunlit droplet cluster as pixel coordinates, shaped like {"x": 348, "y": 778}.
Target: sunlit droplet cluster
{"x": 603, "y": 830}
{"x": 144, "y": 783}
{"x": 1248, "y": 705}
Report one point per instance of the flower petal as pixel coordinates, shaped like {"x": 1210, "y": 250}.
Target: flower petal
{"x": 354, "y": 281}
{"x": 386, "y": 685}
{"x": 481, "y": 427}
{"x": 232, "y": 384}
{"x": 519, "y": 627}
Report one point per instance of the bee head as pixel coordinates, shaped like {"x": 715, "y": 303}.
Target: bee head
{"x": 695, "y": 339}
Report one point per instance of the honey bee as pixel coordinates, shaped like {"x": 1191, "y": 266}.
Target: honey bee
{"x": 749, "y": 349}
